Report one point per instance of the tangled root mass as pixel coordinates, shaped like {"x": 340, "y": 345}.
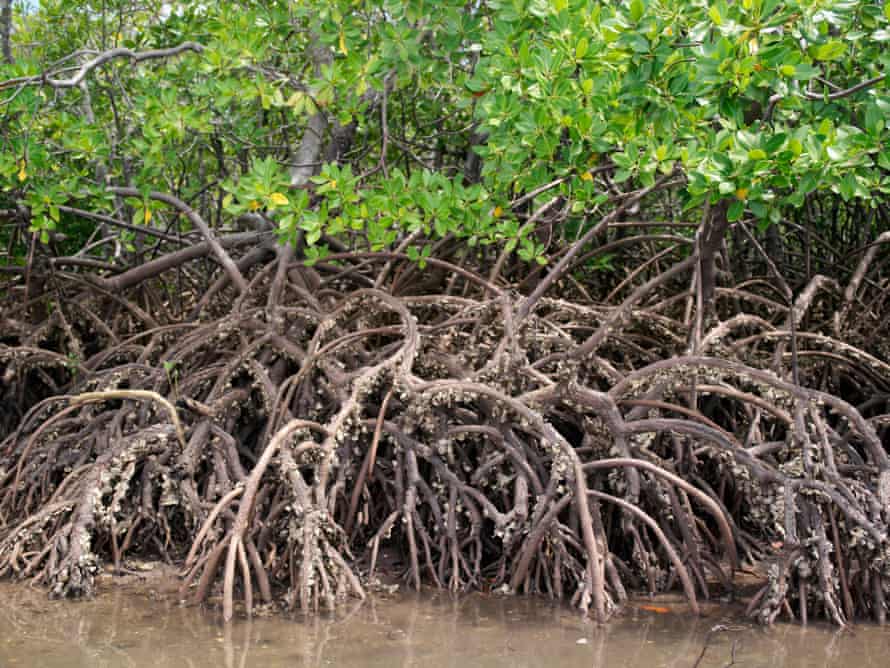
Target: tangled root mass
{"x": 274, "y": 446}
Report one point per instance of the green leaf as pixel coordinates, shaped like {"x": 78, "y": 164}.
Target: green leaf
{"x": 831, "y": 50}
{"x": 874, "y": 119}
{"x": 774, "y": 143}
{"x": 621, "y": 175}
{"x": 735, "y": 211}
{"x": 581, "y": 48}
{"x": 848, "y": 186}
{"x": 637, "y": 9}
{"x": 805, "y": 72}
{"x": 759, "y": 209}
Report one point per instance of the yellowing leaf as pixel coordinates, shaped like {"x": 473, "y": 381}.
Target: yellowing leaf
{"x": 278, "y": 199}
{"x": 343, "y": 48}
{"x": 498, "y": 212}
{"x": 22, "y": 173}
{"x": 714, "y": 13}
{"x": 742, "y": 193}
{"x": 146, "y": 216}
{"x": 581, "y": 48}
{"x": 587, "y": 176}
{"x": 254, "y": 205}
{"x": 831, "y": 50}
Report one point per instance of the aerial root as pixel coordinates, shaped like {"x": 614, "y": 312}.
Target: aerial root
{"x": 440, "y": 440}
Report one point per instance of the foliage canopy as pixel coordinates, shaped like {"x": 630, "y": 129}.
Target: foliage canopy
{"x": 758, "y": 103}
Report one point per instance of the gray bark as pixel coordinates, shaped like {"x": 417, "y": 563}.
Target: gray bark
{"x": 310, "y": 148}
{"x": 6, "y": 29}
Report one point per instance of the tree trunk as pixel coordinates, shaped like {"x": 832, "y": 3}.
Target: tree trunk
{"x": 6, "y": 28}
{"x": 710, "y": 239}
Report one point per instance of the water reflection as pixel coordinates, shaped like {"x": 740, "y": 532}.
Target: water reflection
{"x": 128, "y": 629}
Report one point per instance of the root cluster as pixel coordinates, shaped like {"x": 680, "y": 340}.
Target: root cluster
{"x": 277, "y": 442}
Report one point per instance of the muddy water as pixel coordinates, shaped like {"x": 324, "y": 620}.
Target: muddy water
{"x": 133, "y": 629}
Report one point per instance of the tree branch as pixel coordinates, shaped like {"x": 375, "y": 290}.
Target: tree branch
{"x": 47, "y": 79}
{"x": 224, "y": 258}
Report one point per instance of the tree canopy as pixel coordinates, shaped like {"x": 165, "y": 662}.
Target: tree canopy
{"x": 453, "y": 112}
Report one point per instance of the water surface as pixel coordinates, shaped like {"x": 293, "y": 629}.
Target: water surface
{"x": 135, "y": 628}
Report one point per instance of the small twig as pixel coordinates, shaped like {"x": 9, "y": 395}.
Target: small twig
{"x": 846, "y": 92}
